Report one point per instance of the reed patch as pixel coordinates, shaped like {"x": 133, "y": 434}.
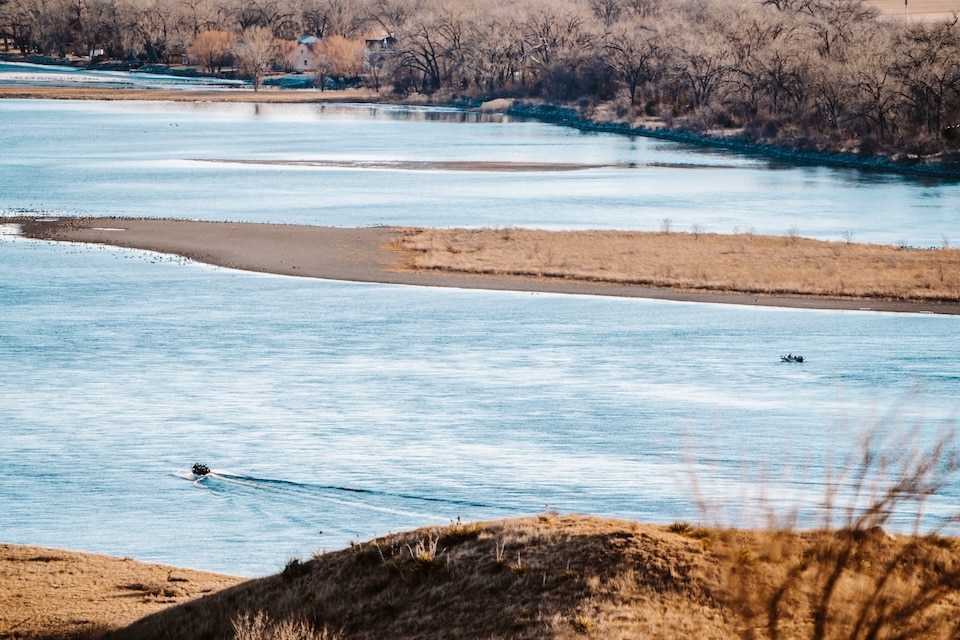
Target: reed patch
{"x": 788, "y": 265}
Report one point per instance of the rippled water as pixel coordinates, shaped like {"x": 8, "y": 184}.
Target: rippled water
{"x": 358, "y": 409}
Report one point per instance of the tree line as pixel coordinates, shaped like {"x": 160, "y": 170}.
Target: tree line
{"x": 807, "y": 74}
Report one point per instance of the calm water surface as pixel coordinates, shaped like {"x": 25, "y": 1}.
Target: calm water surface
{"x": 358, "y": 409}
{"x": 253, "y": 162}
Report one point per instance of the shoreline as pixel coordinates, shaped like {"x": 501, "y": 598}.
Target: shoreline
{"x": 559, "y": 115}
{"x": 375, "y": 255}
{"x": 292, "y": 96}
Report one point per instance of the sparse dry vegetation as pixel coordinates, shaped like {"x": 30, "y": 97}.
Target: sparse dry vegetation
{"x": 600, "y": 578}
{"x": 742, "y": 262}
{"x": 583, "y": 577}
{"x": 51, "y": 594}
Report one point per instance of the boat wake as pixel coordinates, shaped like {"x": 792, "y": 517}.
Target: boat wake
{"x": 232, "y": 484}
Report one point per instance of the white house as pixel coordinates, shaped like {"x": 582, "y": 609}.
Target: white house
{"x": 306, "y": 56}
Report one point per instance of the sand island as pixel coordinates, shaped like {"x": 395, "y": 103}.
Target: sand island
{"x": 745, "y": 268}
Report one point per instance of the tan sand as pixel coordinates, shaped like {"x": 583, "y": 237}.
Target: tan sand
{"x": 388, "y": 254}
{"x": 48, "y": 593}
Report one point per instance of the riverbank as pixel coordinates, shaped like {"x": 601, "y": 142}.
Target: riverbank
{"x": 553, "y": 114}
{"x": 574, "y": 117}
{"x": 733, "y": 269}
{"x": 734, "y": 142}
{"x": 26, "y": 92}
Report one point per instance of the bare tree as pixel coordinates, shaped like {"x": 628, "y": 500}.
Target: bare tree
{"x": 632, "y": 52}
{"x": 494, "y": 56}
{"x": 46, "y": 25}
{"x": 701, "y": 67}
{"x": 929, "y": 68}
{"x": 833, "y": 96}
{"x": 877, "y": 96}
{"x": 322, "y": 18}
{"x": 608, "y": 12}
{"x": 430, "y": 49}
{"x": 838, "y": 25}
{"x": 257, "y": 52}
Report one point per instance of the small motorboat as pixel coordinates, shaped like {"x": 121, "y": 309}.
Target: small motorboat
{"x": 791, "y": 358}
{"x": 200, "y": 469}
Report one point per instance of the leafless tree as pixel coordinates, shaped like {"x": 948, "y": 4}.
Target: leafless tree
{"x": 632, "y": 50}
{"x": 257, "y": 52}
{"x": 928, "y": 66}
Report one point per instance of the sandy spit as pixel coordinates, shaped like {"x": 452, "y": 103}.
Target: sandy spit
{"x": 371, "y": 254}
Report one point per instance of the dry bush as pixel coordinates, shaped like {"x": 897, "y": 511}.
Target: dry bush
{"x": 259, "y": 626}
{"x": 852, "y": 578}
{"x": 458, "y": 532}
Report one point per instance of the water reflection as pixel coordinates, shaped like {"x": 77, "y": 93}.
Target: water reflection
{"x": 356, "y": 111}
{"x": 322, "y": 164}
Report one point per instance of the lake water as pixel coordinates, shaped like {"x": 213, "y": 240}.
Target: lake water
{"x": 359, "y": 409}
{"x": 284, "y": 163}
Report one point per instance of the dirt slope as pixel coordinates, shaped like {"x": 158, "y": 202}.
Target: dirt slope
{"x": 49, "y": 593}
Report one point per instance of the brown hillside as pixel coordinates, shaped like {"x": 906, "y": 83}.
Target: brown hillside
{"x": 52, "y": 594}
{"x": 557, "y": 576}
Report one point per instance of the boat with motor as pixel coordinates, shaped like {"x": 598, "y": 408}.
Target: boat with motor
{"x": 200, "y": 469}
{"x": 791, "y": 358}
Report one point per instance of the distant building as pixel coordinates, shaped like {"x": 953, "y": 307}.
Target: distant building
{"x": 381, "y": 44}
{"x": 306, "y": 54}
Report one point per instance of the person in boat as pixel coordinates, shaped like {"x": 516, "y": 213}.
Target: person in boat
{"x": 200, "y": 469}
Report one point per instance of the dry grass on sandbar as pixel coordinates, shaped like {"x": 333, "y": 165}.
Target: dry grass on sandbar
{"x": 693, "y": 261}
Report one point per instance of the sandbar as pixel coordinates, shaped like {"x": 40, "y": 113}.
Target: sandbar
{"x": 376, "y": 254}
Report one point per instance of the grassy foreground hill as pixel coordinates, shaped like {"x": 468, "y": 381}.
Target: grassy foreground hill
{"x": 554, "y": 576}
{"x": 547, "y": 576}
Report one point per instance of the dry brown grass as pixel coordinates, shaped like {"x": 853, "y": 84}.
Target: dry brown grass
{"x": 693, "y": 261}
{"x": 549, "y": 576}
{"x": 53, "y": 594}
{"x": 541, "y": 577}
{"x": 557, "y": 576}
